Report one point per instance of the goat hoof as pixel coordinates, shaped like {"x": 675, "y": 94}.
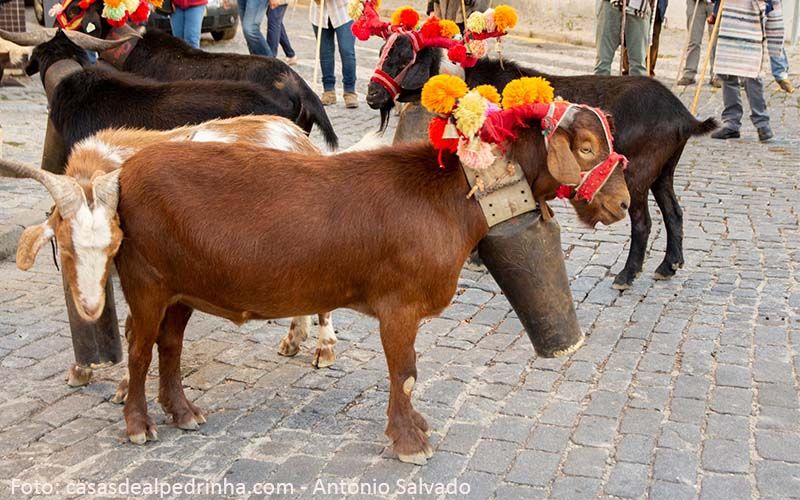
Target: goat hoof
{"x": 152, "y": 434}
{"x": 287, "y": 348}
{"x": 189, "y": 424}
{"x": 139, "y": 438}
{"x": 121, "y": 394}
{"x": 418, "y": 458}
{"x": 78, "y": 376}
{"x": 620, "y": 286}
{"x": 323, "y": 357}
{"x": 201, "y": 419}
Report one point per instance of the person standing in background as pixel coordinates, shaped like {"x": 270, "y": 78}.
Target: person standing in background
{"x": 705, "y": 10}
{"x": 637, "y": 30}
{"x": 451, "y": 9}
{"x": 336, "y": 24}
{"x": 276, "y": 31}
{"x": 740, "y": 54}
{"x": 660, "y": 12}
{"x": 186, "y": 20}
{"x": 251, "y": 12}
{"x": 780, "y": 71}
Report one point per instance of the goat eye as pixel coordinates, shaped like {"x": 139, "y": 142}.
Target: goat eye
{"x": 586, "y": 150}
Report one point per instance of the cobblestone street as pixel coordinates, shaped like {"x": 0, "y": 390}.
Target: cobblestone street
{"x": 686, "y": 388}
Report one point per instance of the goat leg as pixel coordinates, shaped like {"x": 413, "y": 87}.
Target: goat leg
{"x": 640, "y": 233}
{"x": 325, "y": 355}
{"x": 298, "y": 333}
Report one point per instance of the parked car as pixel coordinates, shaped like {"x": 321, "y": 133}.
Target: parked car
{"x": 221, "y": 22}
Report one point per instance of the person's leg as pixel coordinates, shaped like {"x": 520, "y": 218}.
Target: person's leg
{"x": 347, "y": 51}
{"x": 274, "y": 27}
{"x": 654, "y": 45}
{"x": 712, "y": 47}
{"x": 607, "y": 37}
{"x": 754, "y": 88}
{"x": 780, "y": 66}
{"x": 176, "y": 22}
{"x": 637, "y": 34}
{"x": 193, "y": 24}
{"x": 326, "y": 58}
{"x": 283, "y": 40}
{"x": 695, "y": 30}
{"x": 254, "y": 11}
{"x": 731, "y": 99}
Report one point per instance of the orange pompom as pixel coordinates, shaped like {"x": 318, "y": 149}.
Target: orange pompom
{"x": 488, "y": 92}
{"x": 527, "y": 90}
{"x": 448, "y": 28}
{"x": 405, "y": 17}
{"x": 505, "y": 17}
{"x": 440, "y": 93}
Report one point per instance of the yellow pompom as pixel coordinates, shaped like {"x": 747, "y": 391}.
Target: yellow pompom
{"x": 448, "y": 28}
{"x": 440, "y": 93}
{"x": 476, "y": 23}
{"x": 131, "y": 5}
{"x": 489, "y": 92}
{"x": 470, "y": 113}
{"x": 355, "y": 9}
{"x": 112, "y": 4}
{"x": 157, "y": 3}
{"x": 505, "y": 17}
{"x": 527, "y": 90}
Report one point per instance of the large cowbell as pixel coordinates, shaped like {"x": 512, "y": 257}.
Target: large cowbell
{"x": 524, "y": 256}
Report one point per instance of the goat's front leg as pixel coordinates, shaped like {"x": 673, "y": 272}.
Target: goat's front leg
{"x": 138, "y": 424}
{"x": 640, "y": 233}
{"x": 407, "y": 429}
{"x": 298, "y": 333}
{"x": 325, "y": 355}
{"x": 186, "y": 415}
{"x": 664, "y": 193}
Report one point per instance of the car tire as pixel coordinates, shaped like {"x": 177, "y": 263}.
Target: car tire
{"x": 38, "y": 11}
{"x": 224, "y": 34}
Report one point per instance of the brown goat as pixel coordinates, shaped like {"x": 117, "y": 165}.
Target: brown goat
{"x": 263, "y": 234}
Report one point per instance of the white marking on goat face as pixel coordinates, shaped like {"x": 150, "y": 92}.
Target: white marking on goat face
{"x": 114, "y": 154}
{"x": 91, "y": 238}
{"x": 279, "y": 135}
{"x": 208, "y": 135}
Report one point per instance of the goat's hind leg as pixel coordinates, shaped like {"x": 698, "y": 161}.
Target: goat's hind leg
{"x": 145, "y": 322}
{"x": 324, "y": 356}
{"x": 406, "y": 428}
{"x": 186, "y": 415}
{"x": 298, "y": 333}
{"x": 640, "y": 233}
{"x": 664, "y": 193}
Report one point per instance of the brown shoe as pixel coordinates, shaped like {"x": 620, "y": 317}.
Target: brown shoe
{"x": 328, "y": 98}
{"x": 350, "y": 100}
{"x": 786, "y": 86}
{"x": 716, "y": 82}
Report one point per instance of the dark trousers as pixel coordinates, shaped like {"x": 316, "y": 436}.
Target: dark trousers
{"x": 653, "y": 50}
{"x": 276, "y": 31}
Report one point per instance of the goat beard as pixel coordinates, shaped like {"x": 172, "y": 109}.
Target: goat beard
{"x": 385, "y": 114}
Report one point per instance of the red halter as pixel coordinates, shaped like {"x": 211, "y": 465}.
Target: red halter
{"x": 384, "y": 79}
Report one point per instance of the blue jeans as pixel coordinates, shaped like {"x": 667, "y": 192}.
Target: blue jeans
{"x": 276, "y": 31}
{"x": 186, "y": 24}
{"x": 251, "y": 12}
{"x": 780, "y": 66}
{"x": 347, "y": 51}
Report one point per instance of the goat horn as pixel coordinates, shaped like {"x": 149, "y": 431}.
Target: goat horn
{"x": 64, "y": 190}
{"x": 106, "y": 190}
{"x": 90, "y": 42}
{"x": 29, "y": 38}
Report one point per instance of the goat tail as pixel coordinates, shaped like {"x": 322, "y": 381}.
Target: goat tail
{"x": 706, "y": 126}
{"x": 313, "y": 112}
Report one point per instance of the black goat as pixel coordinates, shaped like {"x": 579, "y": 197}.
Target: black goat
{"x": 652, "y": 127}
{"x": 88, "y": 100}
{"x": 163, "y": 57}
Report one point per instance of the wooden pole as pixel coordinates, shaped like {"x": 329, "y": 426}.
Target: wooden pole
{"x": 685, "y": 53}
{"x": 707, "y": 60}
{"x": 319, "y": 41}
{"x": 622, "y": 35}
{"x": 464, "y": 13}
{"x": 648, "y": 57}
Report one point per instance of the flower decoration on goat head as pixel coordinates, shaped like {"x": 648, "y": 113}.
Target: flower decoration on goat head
{"x": 70, "y": 13}
{"x": 472, "y": 124}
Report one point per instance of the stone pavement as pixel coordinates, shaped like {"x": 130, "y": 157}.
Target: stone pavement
{"x": 686, "y": 388}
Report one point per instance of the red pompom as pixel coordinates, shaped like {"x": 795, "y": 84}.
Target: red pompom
{"x": 564, "y": 191}
{"x": 361, "y": 30}
{"x": 84, "y": 4}
{"x": 435, "y": 131}
{"x": 409, "y": 18}
{"x": 119, "y": 23}
{"x": 457, "y": 53}
{"x": 141, "y": 14}
{"x": 431, "y": 28}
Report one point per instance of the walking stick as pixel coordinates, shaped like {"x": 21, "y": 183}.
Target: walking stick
{"x": 622, "y": 35}
{"x": 319, "y": 41}
{"x": 648, "y": 57}
{"x": 685, "y": 53}
{"x": 707, "y": 60}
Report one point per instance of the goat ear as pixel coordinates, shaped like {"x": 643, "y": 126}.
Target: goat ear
{"x": 561, "y": 161}
{"x": 419, "y": 72}
{"x": 32, "y": 240}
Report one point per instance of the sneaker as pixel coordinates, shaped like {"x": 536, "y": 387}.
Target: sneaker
{"x": 686, "y": 81}
{"x": 291, "y": 61}
{"x": 716, "y": 82}
{"x": 765, "y": 134}
{"x": 350, "y": 100}
{"x": 328, "y": 98}
{"x": 726, "y": 133}
{"x": 786, "y": 86}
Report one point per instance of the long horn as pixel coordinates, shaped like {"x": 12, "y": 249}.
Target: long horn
{"x": 106, "y": 190}
{"x": 90, "y": 42}
{"x": 29, "y": 38}
{"x": 65, "y": 191}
